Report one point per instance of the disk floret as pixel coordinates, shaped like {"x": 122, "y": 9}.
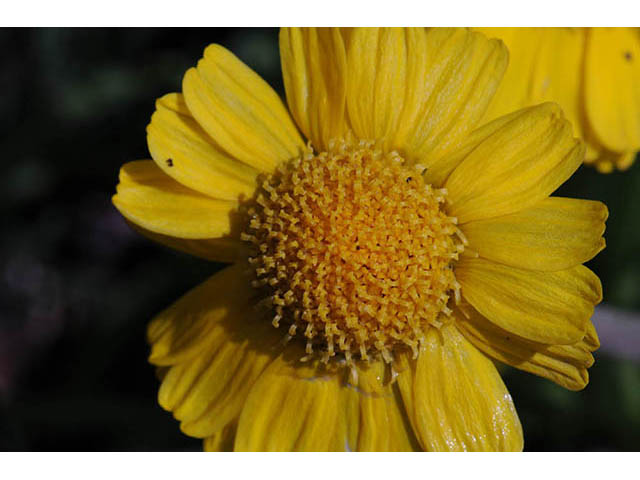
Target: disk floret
{"x": 354, "y": 252}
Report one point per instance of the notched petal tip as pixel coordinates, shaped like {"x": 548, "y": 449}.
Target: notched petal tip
{"x": 605, "y": 211}
{"x": 214, "y": 50}
{"x": 565, "y": 365}
{"x": 501, "y": 52}
{"x": 591, "y": 338}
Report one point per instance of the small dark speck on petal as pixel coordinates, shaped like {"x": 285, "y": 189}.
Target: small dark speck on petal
{"x": 628, "y": 56}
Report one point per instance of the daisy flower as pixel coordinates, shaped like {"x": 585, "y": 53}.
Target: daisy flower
{"x": 593, "y": 73}
{"x": 386, "y": 246}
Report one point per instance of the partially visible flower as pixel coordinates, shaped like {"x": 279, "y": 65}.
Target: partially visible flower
{"x": 380, "y": 265}
{"x": 593, "y": 73}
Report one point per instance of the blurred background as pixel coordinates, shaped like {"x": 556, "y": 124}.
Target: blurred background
{"x": 77, "y": 286}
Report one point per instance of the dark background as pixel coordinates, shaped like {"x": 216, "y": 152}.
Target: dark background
{"x": 77, "y": 286}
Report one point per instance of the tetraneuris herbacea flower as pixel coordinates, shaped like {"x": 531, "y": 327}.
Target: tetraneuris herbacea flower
{"x": 386, "y": 245}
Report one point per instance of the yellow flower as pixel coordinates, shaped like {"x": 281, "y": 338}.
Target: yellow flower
{"x": 380, "y": 267}
{"x": 593, "y": 73}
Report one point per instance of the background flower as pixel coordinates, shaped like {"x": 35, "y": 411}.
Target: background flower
{"x": 593, "y": 73}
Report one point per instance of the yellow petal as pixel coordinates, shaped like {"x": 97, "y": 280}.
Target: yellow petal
{"x": 289, "y": 410}
{"x": 374, "y": 413}
{"x": 314, "y": 65}
{"x": 226, "y": 250}
{"x": 546, "y": 64}
{"x": 514, "y": 90}
{"x": 518, "y": 165}
{"x": 420, "y": 92}
{"x": 151, "y": 199}
{"x": 221, "y": 441}
{"x": 452, "y": 74}
{"x": 565, "y": 365}
{"x": 440, "y": 169}
{"x": 216, "y": 397}
{"x": 240, "y": 111}
{"x": 612, "y": 87}
{"x": 555, "y": 234}
{"x": 217, "y": 350}
{"x": 183, "y": 150}
{"x": 591, "y": 339}
{"x": 458, "y": 400}
{"x": 377, "y": 63}
{"x": 546, "y": 307}
{"x": 182, "y": 330}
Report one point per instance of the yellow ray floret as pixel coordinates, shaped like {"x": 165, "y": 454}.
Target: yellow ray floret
{"x": 156, "y": 202}
{"x": 184, "y": 151}
{"x": 564, "y": 364}
{"x": 240, "y": 111}
{"x": 554, "y": 234}
{"x": 474, "y": 413}
{"x": 546, "y": 307}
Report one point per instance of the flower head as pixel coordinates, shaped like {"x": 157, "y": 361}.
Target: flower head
{"x": 593, "y": 73}
{"x": 380, "y": 265}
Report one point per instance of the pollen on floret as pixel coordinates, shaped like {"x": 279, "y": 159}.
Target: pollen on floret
{"x": 354, "y": 252}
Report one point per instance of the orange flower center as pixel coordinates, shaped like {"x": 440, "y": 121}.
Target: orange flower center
{"x": 354, "y": 251}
